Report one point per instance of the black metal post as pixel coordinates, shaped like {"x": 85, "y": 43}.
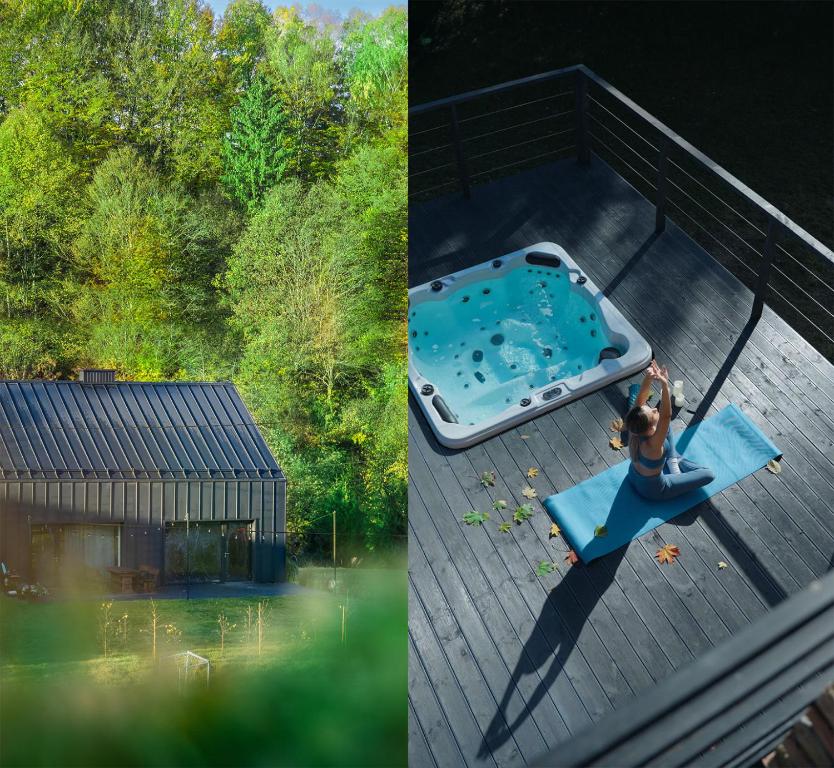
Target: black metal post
{"x": 764, "y": 271}
{"x": 462, "y": 172}
{"x": 187, "y": 561}
{"x": 583, "y": 150}
{"x": 660, "y": 201}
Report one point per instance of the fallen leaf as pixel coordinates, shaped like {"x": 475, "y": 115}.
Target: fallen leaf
{"x": 499, "y": 504}
{"x": 505, "y": 527}
{"x": 488, "y": 478}
{"x": 524, "y": 437}
{"x": 545, "y": 568}
{"x": 667, "y": 554}
{"x": 774, "y": 467}
{"x": 529, "y": 493}
{"x": 555, "y": 530}
{"x": 600, "y": 531}
{"x": 475, "y": 518}
{"x": 522, "y": 513}
{"x": 532, "y": 472}
{"x": 722, "y": 565}
{"x": 616, "y": 443}
{"x": 571, "y": 557}
{"x": 617, "y": 425}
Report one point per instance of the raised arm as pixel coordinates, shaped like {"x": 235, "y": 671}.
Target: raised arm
{"x": 646, "y": 387}
{"x": 665, "y": 410}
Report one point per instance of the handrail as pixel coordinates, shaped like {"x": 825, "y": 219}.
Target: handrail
{"x": 712, "y": 697}
{"x": 711, "y": 165}
{"x": 491, "y": 90}
{"x": 778, "y": 224}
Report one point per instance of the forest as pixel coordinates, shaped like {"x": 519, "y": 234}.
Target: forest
{"x": 191, "y": 197}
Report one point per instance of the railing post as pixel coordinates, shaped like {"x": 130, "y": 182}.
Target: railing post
{"x": 462, "y": 172}
{"x": 764, "y": 271}
{"x": 583, "y": 151}
{"x": 660, "y": 201}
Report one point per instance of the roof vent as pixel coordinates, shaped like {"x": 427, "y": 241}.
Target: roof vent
{"x": 97, "y": 375}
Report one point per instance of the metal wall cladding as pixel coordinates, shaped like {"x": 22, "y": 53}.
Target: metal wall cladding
{"x": 143, "y": 507}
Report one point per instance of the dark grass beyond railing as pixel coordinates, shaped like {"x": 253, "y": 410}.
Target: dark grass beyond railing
{"x": 462, "y": 141}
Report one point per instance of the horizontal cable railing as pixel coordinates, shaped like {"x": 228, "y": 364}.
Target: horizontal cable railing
{"x": 513, "y": 126}
{"x": 728, "y": 707}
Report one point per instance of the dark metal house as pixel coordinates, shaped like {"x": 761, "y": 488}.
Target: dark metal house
{"x": 174, "y": 477}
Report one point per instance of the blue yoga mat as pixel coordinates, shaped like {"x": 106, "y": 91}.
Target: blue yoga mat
{"x": 728, "y": 443}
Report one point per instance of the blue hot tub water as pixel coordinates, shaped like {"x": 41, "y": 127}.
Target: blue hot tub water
{"x": 488, "y": 344}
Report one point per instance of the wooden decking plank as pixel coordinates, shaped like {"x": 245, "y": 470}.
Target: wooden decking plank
{"x": 631, "y": 631}
{"x": 574, "y": 653}
{"x": 799, "y": 457}
{"x": 443, "y": 681}
{"x": 530, "y": 653}
{"x": 775, "y": 531}
{"x": 554, "y": 442}
{"x": 460, "y": 663}
{"x": 419, "y": 754}
{"x": 575, "y": 692}
{"x": 619, "y": 675}
{"x": 630, "y": 589}
{"x": 491, "y": 636}
{"x": 799, "y": 510}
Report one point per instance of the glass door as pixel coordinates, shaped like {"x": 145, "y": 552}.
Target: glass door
{"x": 239, "y": 537}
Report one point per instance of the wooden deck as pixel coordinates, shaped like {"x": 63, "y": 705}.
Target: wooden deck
{"x": 504, "y": 665}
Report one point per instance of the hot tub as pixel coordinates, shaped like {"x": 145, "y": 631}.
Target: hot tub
{"x": 497, "y": 344}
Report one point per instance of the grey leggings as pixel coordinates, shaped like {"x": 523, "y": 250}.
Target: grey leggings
{"x": 667, "y": 485}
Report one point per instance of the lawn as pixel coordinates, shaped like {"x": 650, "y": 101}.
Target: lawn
{"x": 308, "y": 698}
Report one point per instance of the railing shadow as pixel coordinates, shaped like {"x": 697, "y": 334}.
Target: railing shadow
{"x": 715, "y": 386}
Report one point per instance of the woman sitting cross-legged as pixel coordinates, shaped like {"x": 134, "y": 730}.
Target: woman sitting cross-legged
{"x": 657, "y": 471}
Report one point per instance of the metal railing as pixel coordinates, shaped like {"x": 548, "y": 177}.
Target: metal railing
{"x": 460, "y": 141}
{"x": 731, "y": 706}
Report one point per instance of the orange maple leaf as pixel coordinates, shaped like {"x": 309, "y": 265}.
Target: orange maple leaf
{"x": 667, "y": 554}
{"x": 571, "y": 557}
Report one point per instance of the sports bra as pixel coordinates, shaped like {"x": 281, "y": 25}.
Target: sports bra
{"x": 645, "y": 460}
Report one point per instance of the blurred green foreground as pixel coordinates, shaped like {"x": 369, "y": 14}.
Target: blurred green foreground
{"x": 328, "y": 686}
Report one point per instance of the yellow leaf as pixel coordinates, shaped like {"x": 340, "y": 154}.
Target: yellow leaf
{"x": 774, "y": 467}
{"x": 616, "y": 443}
{"x": 617, "y": 425}
{"x": 555, "y": 530}
{"x": 532, "y": 472}
{"x": 529, "y": 493}
{"x": 722, "y": 565}
{"x": 667, "y": 554}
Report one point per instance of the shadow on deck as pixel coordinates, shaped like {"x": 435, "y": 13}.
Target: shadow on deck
{"x": 505, "y": 665}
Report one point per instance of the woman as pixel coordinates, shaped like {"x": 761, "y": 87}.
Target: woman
{"x": 657, "y": 471}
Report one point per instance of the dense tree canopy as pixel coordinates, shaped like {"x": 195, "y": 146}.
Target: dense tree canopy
{"x": 190, "y": 197}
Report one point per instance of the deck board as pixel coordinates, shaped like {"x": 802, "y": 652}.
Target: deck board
{"x": 503, "y": 664}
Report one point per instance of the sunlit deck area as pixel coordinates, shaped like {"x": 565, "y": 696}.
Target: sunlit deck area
{"x": 505, "y": 665}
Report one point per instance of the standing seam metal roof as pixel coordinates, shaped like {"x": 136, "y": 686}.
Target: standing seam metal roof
{"x": 70, "y": 429}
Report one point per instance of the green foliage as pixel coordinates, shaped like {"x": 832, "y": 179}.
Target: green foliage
{"x": 148, "y": 295}
{"x": 140, "y": 141}
{"x": 522, "y": 513}
{"x": 241, "y": 38}
{"x": 475, "y": 518}
{"x": 301, "y": 67}
{"x": 254, "y": 152}
{"x": 375, "y": 60}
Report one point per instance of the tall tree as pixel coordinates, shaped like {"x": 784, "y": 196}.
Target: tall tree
{"x": 301, "y": 67}
{"x": 255, "y": 154}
